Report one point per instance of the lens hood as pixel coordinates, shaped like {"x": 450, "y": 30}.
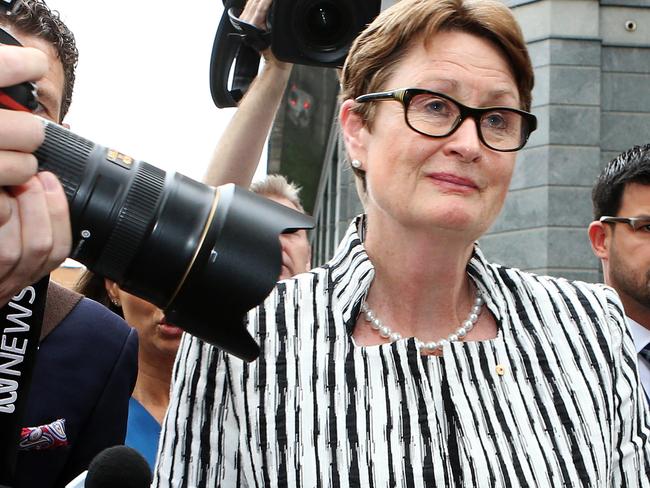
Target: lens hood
{"x": 238, "y": 265}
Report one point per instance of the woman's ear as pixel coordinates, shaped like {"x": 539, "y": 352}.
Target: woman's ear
{"x": 354, "y": 130}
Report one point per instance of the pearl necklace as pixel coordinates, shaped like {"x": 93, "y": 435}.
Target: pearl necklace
{"x": 387, "y": 333}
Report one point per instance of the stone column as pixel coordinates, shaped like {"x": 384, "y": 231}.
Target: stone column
{"x": 590, "y": 107}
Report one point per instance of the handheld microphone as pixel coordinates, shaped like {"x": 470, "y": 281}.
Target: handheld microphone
{"x": 117, "y": 466}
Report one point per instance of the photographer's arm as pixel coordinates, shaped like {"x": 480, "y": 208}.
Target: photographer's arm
{"x": 238, "y": 151}
{"x": 34, "y": 221}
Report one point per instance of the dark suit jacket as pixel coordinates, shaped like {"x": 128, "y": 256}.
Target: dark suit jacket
{"x": 85, "y": 372}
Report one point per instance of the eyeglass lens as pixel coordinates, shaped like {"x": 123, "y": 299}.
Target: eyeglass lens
{"x": 436, "y": 116}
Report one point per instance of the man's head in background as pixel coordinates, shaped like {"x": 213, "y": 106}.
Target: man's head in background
{"x": 620, "y": 232}
{"x": 296, "y": 252}
{"x": 33, "y": 24}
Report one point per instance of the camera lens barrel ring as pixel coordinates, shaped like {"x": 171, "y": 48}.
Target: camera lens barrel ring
{"x": 136, "y": 216}
{"x": 65, "y": 154}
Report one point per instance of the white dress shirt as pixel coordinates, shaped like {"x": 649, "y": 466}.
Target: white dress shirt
{"x": 641, "y": 337}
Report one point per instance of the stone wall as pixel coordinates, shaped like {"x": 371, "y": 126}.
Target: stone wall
{"x": 592, "y": 99}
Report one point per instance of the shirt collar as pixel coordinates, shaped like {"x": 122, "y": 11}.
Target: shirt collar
{"x": 640, "y": 334}
{"x": 351, "y": 274}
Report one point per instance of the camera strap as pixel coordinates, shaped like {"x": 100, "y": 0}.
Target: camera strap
{"x": 229, "y": 48}
{"x": 21, "y": 320}
{"x": 250, "y": 34}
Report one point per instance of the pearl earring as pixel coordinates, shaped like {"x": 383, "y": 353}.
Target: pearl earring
{"x": 356, "y": 164}
{"x": 115, "y": 302}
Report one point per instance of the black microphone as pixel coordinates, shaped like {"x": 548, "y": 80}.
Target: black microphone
{"x": 115, "y": 467}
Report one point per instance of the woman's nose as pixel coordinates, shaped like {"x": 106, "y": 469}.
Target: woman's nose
{"x": 465, "y": 141}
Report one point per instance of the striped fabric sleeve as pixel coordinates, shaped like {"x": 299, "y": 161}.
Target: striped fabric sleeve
{"x": 631, "y": 452}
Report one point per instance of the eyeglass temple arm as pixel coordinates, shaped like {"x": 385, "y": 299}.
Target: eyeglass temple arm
{"x": 385, "y": 95}
{"x": 606, "y": 218}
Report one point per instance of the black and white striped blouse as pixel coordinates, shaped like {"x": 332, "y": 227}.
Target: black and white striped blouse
{"x": 553, "y": 400}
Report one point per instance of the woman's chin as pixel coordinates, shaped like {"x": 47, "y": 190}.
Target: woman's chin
{"x": 461, "y": 216}
{"x": 456, "y": 220}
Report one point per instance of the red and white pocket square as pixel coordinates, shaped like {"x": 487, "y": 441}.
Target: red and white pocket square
{"x": 47, "y": 436}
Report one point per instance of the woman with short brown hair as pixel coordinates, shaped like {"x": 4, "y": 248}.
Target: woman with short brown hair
{"x": 409, "y": 359}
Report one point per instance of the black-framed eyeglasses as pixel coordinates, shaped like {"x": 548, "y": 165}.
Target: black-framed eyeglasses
{"x": 433, "y": 114}
{"x": 637, "y": 223}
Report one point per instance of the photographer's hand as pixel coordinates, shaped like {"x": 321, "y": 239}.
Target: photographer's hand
{"x": 34, "y": 220}
{"x": 256, "y": 13}
{"x": 239, "y": 150}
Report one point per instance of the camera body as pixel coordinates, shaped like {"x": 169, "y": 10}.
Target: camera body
{"x": 318, "y": 32}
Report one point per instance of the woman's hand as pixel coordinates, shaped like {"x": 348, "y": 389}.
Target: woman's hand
{"x": 35, "y": 232}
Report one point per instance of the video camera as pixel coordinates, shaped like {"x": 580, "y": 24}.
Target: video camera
{"x": 310, "y": 32}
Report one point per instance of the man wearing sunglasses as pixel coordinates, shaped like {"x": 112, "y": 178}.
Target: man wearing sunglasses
{"x": 620, "y": 237}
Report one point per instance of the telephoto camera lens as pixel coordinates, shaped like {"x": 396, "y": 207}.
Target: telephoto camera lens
{"x": 318, "y": 32}
{"x": 325, "y": 25}
{"x": 205, "y": 256}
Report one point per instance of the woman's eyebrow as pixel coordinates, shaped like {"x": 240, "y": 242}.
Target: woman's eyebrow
{"x": 453, "y": 86}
